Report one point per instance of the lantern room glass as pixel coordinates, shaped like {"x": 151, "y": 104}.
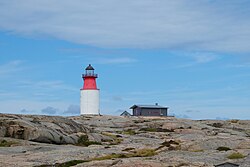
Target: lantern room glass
{"x": 89, "y": 72}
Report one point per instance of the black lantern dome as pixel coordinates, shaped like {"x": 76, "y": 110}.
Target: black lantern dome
{"x": 89, "y": 67}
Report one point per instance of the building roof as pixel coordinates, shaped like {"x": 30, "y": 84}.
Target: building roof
{"x": 125, "y": 113}
{"x": 89, "y": 67}
{"x": 226, "y": 163}
{"x": 148, "y": 106}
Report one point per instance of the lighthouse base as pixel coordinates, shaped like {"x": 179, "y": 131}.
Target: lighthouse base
{"x": 89, "y": 102}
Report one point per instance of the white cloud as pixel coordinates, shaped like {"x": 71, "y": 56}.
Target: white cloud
{"x": 30, "y": 106}
{"x": 119, "y": 60}
{"x": 54, "y": 85}
{"x": 10, "y": 67}
{"x": 50, "y": 110}
{"x": 204, "y": 58}
{"x": 72, "y": 109}
{"x": 45, "y": 86}
{"x": 117, "y": 98}
{"x": 242, "y": 65}
{"x": 39, "y": 107}
{"x": 16, "y": 82}
{"x": 42, "y": 90}
{"x": 196, "y": 58}
{"x": 187, "y": 25}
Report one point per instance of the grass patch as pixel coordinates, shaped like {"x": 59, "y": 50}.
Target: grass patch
{"x": 171, "y": 145}
{"x": 183, "y": 164}
{"x": 110, "y": 156}
{"x": 197, "y": 151}
{"x": 223, "y": 149}
{"x": 168, "y": 143}
{"x": 136, "y": 153}
{"x": 144, "y": 153}
{"x": 116, "y": 139}
{"x": 70, "y": 163}
{"x": 141, "y": 121}
{"x": 148, "y": 129}
{"x": 236, "y": 156}
{"x": 128, "y": 149}
{"x": 83, "y": 140}
{"x": 109, "y": 134}
{"x": 155, "y": 130}
{"x": 5, "y": 143}
{"x": 234, "y": 121}
{"x": 216, "y": 125}
{"x": 65, "y": 164}
{"x": 247, "y": 132}
{"x": 174, "y": 148}
{"x": 129, "y": 132}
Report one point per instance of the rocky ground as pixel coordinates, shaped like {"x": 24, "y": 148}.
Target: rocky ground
{"x": 31, "y": 140}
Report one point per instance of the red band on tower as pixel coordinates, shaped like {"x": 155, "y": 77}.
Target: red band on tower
{"x": 89, "y": 83}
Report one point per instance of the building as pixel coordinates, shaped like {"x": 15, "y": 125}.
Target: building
{"x": 125, "y": 114}
{"x": 227, "y": 164}
{"x": 89, "y": 100}
{"x": 149, "y": 110}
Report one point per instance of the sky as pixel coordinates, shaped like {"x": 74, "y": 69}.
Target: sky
{"x": 189, "y": 55}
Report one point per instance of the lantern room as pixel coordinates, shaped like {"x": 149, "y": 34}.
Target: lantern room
{"x": 89, "y": 78}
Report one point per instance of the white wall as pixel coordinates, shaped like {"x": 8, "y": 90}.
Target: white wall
{"x": 89, "y": 102}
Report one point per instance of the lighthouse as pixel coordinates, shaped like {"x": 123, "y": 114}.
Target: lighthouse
{"x": 89, "y": 100}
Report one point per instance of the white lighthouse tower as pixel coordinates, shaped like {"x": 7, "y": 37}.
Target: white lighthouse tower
{"x": 89, "y": 101}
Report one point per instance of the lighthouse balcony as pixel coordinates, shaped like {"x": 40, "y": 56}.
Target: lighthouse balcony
{"x": 90, "y": 75}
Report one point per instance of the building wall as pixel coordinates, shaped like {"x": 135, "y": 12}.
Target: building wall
{"x": 89, "y": 102}
{"x": 150, "y": 111}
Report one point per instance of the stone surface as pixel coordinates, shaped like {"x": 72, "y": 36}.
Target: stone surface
{"x": 46, "y": 140}
{"x": 45, "y": 129}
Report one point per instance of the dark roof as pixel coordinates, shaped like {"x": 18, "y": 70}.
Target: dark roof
{"x": 226, "y": 163}
{"x": 89, "y": 67}
{"x": 147, "y": 106}
{"x": 125, "y": 113}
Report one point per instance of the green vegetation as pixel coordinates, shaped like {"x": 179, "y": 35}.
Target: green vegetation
{"x": 167, "y": 143}
{"x": 141, "y": 121}
{"x": 61, "y": 138}
{"x": 116, "y": 139}
{"x": 65, "y": 164}
{"x": 83, "y": 140}
{"x": 247, "y": 132}
{"x": 128, "y": 149}
{"x": 148, "y": 129}
{"x": 197, "y": 150}
{"x": 144, "y": 153}
{"x": 5, "y": 143}
{"x": 171, "y": 145}
{"x": 216, "y": 125}
{"x": 183, "y": 164}
{"x": 155, "y": 130}
{"x": 223, "y": 149}
{"x": 110, "y": 156}
{"x": 70, "y": 163}
{"x": 174, "y": 148}
{"x": 236, "y": 156}
{"x": 129, "y": 132}
{"x": 136, "y": 153}
{"x": 234, "y": 121}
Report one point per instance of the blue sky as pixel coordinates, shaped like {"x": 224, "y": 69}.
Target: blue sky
{"x": 192, "y": 56}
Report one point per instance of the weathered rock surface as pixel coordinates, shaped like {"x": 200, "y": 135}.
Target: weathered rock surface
{"x": 47, "y": 140}
{"x": 44, "y": 129}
